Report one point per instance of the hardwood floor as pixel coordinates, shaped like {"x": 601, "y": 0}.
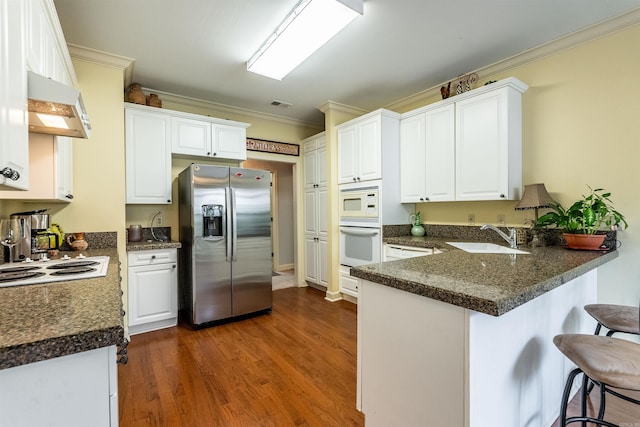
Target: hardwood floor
{"x": 293, "y": 367}
{"x": 618, "y": 411}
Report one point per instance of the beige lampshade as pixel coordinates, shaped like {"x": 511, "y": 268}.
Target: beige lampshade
{"x": 535, "y": 196}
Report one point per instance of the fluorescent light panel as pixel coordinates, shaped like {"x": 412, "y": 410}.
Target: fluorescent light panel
{"x": 310, "y": 25}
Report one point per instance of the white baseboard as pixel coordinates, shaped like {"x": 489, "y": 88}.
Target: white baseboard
{"x": 333, "y": 296}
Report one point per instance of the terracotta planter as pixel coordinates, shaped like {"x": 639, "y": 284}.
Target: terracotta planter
{"x": 584, "y": 241}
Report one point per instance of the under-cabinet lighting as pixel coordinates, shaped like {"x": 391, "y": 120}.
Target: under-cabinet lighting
{"x": 309, "y": 25}
{"x": 52, "y": 121}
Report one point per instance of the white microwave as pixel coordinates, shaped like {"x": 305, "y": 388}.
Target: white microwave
{"x": 360, "y": 203}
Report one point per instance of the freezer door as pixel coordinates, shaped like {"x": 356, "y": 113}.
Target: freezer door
{"x": 211, "y": 242}
{"x": 251, "y": 269}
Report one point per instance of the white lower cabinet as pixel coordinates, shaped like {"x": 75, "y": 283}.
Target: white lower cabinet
{"x": 315, "y": 252}
{"x": 77, "y": 390}
{"x": 348, "y": 284}
{"x": 152, "y": 290}
{"x": 315, "y": 210}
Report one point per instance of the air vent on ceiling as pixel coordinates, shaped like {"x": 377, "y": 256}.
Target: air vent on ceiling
{"x": 281, "y": 104}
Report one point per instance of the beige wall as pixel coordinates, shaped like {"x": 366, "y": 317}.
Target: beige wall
{"x": 581, "y": 127}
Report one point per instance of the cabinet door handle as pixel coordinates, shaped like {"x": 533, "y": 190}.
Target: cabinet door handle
{"x": 215, "y": 154}
{"x": 69, "y": 196}
{"x": 208, "y": 153}
{"x": 421, "y": 199}
{"x": 354, "y": 178}
{"x": 10, "y": 173}
{"x": 153, "y": 257}
{"x": 173, "y": 266}
{"x": 502, "y": 196}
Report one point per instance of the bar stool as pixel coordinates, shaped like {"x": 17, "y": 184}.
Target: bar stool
{"x": 607, "y": 362}
{"x": 616, "y": 318}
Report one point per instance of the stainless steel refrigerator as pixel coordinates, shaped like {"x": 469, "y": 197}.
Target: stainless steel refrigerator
{"x": 225, "y": 231}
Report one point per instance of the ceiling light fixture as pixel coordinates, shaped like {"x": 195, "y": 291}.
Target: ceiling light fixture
{"x": 310, "y": 24}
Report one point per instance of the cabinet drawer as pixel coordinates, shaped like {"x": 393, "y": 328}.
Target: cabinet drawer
{"x": 348, "y": 284}
{"x": 156, "y": 256}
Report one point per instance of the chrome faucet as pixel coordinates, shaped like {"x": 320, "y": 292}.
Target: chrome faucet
{"x": 511, "y": 238}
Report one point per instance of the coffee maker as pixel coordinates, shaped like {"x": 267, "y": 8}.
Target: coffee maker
{"x": 34, "y": 225}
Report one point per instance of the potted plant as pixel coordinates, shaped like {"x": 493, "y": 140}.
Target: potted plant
{"x": 583, "y": 219}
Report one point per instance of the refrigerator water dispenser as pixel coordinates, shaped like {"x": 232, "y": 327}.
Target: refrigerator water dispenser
{"x": 212, "y": 221}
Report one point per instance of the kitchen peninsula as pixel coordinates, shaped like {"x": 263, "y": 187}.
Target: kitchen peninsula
{"x": 58, "y": 349}
{"x": 465, "y": 340}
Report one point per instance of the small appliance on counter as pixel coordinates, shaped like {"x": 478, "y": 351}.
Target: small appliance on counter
{"x": 37, "y": 239}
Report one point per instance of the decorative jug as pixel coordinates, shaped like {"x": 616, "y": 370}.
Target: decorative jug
{"x": 77, "y": 242}
{"x": 416, "y": 229}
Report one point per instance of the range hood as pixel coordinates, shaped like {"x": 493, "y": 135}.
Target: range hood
{"x": 55, "y": 108}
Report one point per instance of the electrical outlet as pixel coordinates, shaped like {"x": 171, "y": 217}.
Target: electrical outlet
{"x": 471, "y": 218}
{"x": 501, "y": 219}
{"x": 159, "y": 221}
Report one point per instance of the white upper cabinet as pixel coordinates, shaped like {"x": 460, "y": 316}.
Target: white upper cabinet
{"x": 194, "y": 135}
{"x": 348, "y": 151}
{"x": 47, "y": 53}
{"x": 315, "y": 161}
{"x": 190, "y": 137}
{"x": 51, "y": 169}
{"x": 427, "y": 153}
{"x": 360, "y": 146}
{"x": 154, "y": 134}
{"x": 148, "y": 156}
{"x": 228, "y": 142}
{"x": 14, "y": 144}
{"x": 468, "y": 147}
{"x": 32, "y": 39}
{"x": 489, "y": 146}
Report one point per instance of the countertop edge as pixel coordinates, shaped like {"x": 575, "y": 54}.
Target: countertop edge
{"x": 147, "y": 246}
{"x": 61, "y": 346}
{"x": 493, "y": 307}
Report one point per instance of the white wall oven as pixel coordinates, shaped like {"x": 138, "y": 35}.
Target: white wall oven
{"x": 359, "y": 245}
{"x": 360, "y": 225}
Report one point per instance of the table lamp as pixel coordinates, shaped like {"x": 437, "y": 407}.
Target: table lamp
{"x": 535, "y": 196}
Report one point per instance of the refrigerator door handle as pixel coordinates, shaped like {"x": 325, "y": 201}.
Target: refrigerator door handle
{"x": 228, "y": 210}
{"x": 234, "y": 227}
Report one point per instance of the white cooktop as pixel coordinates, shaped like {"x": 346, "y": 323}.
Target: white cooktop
{"x": 53, "y": 270}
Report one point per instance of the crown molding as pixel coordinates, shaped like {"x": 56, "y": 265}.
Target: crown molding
{"x": 201, "y": 103}
{"x": 553, "y": 47}
{"x": 121, "y": 62}
{"x": 343, "y": 108}
{"x": 86, "y": 54}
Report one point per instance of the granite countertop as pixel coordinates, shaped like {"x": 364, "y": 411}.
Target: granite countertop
{"x": 43, "y": 321}
{"x": 488, "y": 283}
{"x": 148, "y": 245}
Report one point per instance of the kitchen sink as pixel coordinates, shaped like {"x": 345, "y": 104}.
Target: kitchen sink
{"x": 485, "y": 248}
